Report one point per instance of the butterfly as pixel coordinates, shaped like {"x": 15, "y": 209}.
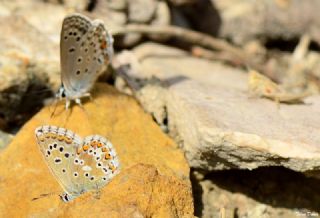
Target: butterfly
{"x": 79, "y": 165}
{"x": 86, "y": 48}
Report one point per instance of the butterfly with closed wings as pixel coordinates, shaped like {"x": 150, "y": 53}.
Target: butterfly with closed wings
{"x": 86, "y": 48}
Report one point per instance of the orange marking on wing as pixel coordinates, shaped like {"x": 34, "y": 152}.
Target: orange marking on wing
{"x": 79, "y": 150}
{"x": 68, "y": 140}
{"x": 103, "y": 45}
{"x": 42, "y": 138}
{"x": 112, "y": 167}
{"x": 53, "y": 136}
{"x": 104, "y": 149}
{"x": 99, "y": 145}
{"x": 85, "y": 147}
{"x": 60, "y": 137}
{"x": 107, "y": 156}
{"x": 94, "y": 144}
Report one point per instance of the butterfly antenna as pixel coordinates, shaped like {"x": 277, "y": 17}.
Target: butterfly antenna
{"x": 44, "y": 196}
{"x": 55, "y": 107}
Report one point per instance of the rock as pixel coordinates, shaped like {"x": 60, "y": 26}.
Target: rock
{"x": 182, "y": 2}
{"x": 220, "y": 127}
{"x": 117, "y": 4}
{"x": 25, "y": 67}
{"x": 200, "y": 15}
{"x": 141, "y": 11}
{"x": 243, "y": 21}
{"x": 111, "y": 17}
{"x": 162, "y": 18}
{"x": 45, "y": 18}
{"x": 264, "y": 192}
{"x": 14, "y": 82}
{"x": 5, "y": 139}
{"x": 19, "y": 35}
{"x": 154, "y": 177}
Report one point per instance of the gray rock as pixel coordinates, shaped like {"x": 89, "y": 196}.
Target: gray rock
{"x": 117, "y": 4}
{"x": 141, "y": 11}
{"x": 265, "y": 192}
{"x": 243, "y": 21}
{"x": 27, "y": 58}
{"x": 219, "y": 126}
{"x": 162, "y": 18}
{"x": 5, "y": 139}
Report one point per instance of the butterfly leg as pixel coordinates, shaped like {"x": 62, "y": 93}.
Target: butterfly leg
{"x": 68, "y": 110}
{"x": 68, "y": 102}
{"x": 87, "y": 95}
{"x": 91, "y": 98}
{"x": 55, "y": 107}
{"x": 78, "y": 101}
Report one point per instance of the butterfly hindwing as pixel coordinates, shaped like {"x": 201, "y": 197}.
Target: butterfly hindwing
{"x": 58, "y": 147}
{"x": 100, "y": 162}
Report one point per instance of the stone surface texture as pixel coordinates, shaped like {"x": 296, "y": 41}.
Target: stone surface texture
{"x": 253, "y": 194}
{"x": 209, "y": 111}
{"x": 5, "y": 139}
{"x": 245, "y": 20}
{"x": 154, "y": 177}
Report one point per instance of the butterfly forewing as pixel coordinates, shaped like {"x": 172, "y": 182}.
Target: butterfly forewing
{"x": 58, "y": 147}
{"x": 85, "y": 49}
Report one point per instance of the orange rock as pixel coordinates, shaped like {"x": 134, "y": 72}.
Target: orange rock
{"x": 154, "y": 177}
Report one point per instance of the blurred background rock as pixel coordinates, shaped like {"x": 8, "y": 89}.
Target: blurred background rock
{"x": 193, "y": 79}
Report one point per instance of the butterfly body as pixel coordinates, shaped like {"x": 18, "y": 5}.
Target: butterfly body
{"x": 86, "y": 48}
{"x": 79, "y": 165}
